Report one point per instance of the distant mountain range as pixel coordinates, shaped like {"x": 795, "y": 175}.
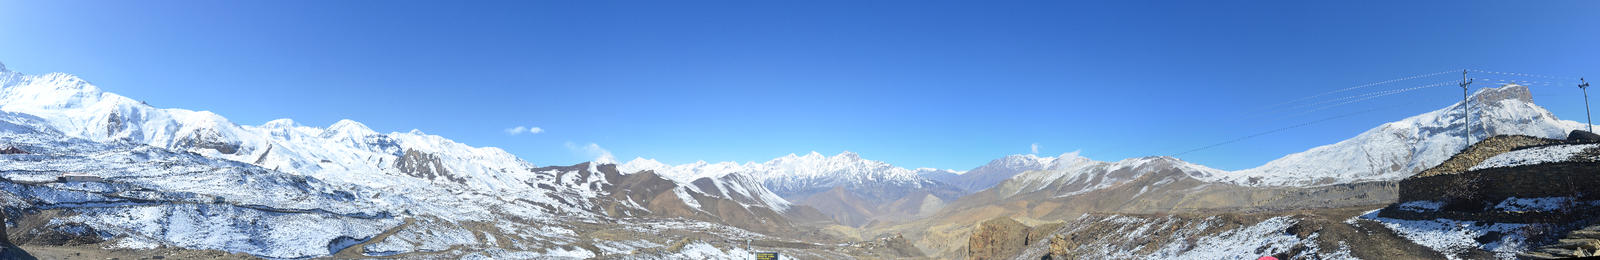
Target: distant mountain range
{"x": 195, "y": 180}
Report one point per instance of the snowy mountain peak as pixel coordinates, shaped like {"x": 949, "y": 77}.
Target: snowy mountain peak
{"x": 281, "y": 123}
{"x": 1507, "y": 92}
{"x": 641, "y": 164}
{"x": 848, "y": 155}
{"x": 347, "y": 127}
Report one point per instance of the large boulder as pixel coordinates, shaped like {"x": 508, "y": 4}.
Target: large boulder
{"x": 1583, "y": 137}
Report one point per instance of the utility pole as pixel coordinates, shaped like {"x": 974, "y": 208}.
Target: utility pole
{"x": 1585, "y": 88}
{"x": 1468, "y": 129}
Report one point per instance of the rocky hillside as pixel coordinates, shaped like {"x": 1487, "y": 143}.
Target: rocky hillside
{"x": 1508, "y": 197}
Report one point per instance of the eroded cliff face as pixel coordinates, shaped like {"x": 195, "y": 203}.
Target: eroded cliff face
{"x": 1005, "y": 238}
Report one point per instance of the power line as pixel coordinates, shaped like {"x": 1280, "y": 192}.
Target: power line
{"x": 1235, "y": 140}
{"x": 1418, "y": 76}
{"x": 1524, "y": 75}
{"x": 1323, "y": 105}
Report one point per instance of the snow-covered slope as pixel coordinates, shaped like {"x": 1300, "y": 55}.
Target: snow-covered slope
{"x": 218, "y": 172}
{"x": 341, "y": 150}
{"x": 1396, "y": 150}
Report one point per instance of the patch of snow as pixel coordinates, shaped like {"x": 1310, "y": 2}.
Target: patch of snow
{"x": 700, "y": 250}
{"x": 572, "y": 252}
{"x": 683, "y": 195}
{"x": 1264, "y": 238}
{"x": 1421, "y": 206}
{"x": 1453, "y": 238}
{"x": 1541, "y": 204}
{"x": 1537, "y": 155}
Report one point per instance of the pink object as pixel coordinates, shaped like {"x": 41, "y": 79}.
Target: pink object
{"x": 1267, "y": 258}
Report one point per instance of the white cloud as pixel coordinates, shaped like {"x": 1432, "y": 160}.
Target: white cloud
{"x": 1034, "y": 148}
{"x": 524, "y": 130}
{"x": 592, "y": 150}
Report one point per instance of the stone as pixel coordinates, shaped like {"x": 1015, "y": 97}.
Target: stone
{"x": 1584, "y": 233}
{"x": 1583, "y": 136}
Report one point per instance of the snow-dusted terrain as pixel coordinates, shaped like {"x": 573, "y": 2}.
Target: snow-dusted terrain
{"x": 1454, "y": 237}
{"x": 1133, "y": 236}
{"x": 1537, "y": 155}
{"x": 193, "y": 179}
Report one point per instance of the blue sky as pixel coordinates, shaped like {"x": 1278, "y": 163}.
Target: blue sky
{"x": 947, "y": 84}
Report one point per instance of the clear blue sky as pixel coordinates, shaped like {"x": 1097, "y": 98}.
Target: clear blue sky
{"x": 915, "y": 83}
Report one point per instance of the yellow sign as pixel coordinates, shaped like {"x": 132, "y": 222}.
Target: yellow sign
{"x": 767, "y": 256}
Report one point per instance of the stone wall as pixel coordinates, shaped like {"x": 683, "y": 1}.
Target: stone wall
{"x": 1562, "y": 179}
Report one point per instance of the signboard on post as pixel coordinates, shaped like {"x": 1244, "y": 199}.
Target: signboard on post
{"x": 767, "y": 256}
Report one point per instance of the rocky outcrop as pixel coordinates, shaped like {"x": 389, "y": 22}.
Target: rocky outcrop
{"x": 425, "y": 165}
{"x": 998, "y": 238}
{"x": 1580, "y": 136}
{"x": 208, "y": 139}
{"x": 1005, "y": 238}
{"x": 7, "y": 249}
{"x": 12, "y": 150}
{"x": 1578, "y": 243}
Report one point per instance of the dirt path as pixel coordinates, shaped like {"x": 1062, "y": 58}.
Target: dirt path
{"x": 359, "y": 250}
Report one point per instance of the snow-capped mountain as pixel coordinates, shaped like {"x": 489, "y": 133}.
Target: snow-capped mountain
{"x": 998, "y": 170}
{"x": 1073, "y": 174}
{"x": 793, "y": 173}
{"x": 796, "y": 178}
{"x": 239, "y": 179}
{"x": 1396, "y": 150}
{"x": 346, "y": 151}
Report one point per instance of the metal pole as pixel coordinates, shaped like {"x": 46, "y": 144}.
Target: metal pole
{"x": 1464, "y": 116}
{"x": 1585, "y": 88}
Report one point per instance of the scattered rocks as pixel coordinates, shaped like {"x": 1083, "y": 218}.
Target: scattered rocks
{"x": 1578, "y": 243}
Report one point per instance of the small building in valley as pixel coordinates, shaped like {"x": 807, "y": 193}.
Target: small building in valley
{"x": 79, "y": 177}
